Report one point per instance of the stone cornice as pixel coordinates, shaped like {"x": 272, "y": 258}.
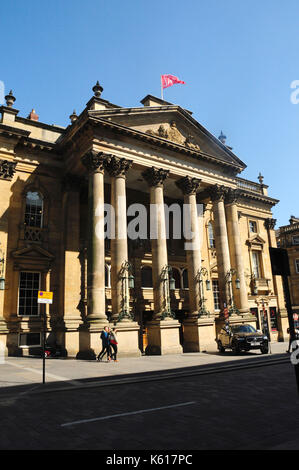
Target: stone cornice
{"x": 188, "y": 185}
{"x": 258, "y": 197}
{"x": 10, "y": 131}
{"x": 167, "y": 144}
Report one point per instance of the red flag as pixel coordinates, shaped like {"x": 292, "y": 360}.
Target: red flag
{"x": 169, "y": 80}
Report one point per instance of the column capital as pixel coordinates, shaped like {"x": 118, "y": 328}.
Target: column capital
{"x": 7, "y": 169}
{"x": 94, "y": 161}
{"x": 270, "y": 223}
{"x": 155, "y": 176}
{"x": 188, "y": 185}
{"x": 117, "y": 166}
{"x": 217, "y": 192}
{"x": 232, "y": 196}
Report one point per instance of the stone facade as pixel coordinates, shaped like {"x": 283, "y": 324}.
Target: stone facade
{"x": 288, "y": 238}
{"x": 54, "y": 182}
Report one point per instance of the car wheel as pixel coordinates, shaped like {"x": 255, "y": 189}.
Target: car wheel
{"x": 235, "y": 348}
{"x": 220, "y": 347}
{"x": 265, "y": 350}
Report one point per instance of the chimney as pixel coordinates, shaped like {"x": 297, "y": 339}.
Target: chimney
{"x": 33, "y": 116}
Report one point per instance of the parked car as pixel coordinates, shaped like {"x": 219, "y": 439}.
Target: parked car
{"x": 242, "y": 338}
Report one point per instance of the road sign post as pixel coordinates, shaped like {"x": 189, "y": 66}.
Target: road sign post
{"x": 44, "y": 298}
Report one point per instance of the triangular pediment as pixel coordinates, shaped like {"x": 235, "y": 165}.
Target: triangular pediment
{"x": 255, "y": 240}
{"x": 33, "y": 252}
{"x": 172, "y": 124}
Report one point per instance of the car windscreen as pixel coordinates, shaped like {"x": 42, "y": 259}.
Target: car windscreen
{"x": 243, "y": 329}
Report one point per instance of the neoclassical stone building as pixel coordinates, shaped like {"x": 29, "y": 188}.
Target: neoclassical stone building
{"x": 164, "y": 296}
{"x": 288, "y": 238}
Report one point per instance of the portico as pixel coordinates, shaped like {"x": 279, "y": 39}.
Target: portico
{"x": 157, "y": 155}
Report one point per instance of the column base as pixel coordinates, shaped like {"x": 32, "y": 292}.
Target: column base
{"x": 199, "y": 334}
{"x": 90, "y": 343}
{"x": 3, "y": 326}
{"x": 163, "y": 337}
{"x": 3, "y": 348}
{"x": 128, "y": 339}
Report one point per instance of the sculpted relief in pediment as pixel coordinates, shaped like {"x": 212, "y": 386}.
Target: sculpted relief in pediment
{"x": 171, "y": 132}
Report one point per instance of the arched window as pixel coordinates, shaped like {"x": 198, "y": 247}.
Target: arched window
{"x": 146, "y": 276}
{"x": 34, "y": 209}
{"x": 177, "y": 277}
{"x": 185, "y": 279}
{"x": 211, "y": 235}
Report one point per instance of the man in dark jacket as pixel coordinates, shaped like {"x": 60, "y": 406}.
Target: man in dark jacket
{"x": 105, "y": 344}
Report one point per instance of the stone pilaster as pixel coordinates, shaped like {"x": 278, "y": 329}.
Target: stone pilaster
{"x": 94, "y": 162}
{"x": 71, "y": 274}
{"x": 235, "y": 246}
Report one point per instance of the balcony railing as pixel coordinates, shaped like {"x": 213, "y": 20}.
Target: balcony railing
{"x": 249, "y": 186}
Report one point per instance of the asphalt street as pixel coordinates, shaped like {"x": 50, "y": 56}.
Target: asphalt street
{"x": 255, "y": 408}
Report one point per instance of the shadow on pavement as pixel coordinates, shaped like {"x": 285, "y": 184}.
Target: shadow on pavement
{"x": 15, "y": 392}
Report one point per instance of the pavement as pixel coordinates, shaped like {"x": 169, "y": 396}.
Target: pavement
{"x": 200, "y": 401}
{"x": 21, "y": 373}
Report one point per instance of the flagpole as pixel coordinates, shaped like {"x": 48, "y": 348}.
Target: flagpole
{"x": 161, "y": 89}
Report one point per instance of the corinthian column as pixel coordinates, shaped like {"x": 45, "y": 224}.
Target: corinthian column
{"x": 94, "y": 162}
{"x": 236, "y": 248}
{"x": 218, "y": 194}
{"x": 155, "y": 179}
{"x": 117, "y": 168}
{"x": 163, "y": 336}
{"x": 189, "y": 187}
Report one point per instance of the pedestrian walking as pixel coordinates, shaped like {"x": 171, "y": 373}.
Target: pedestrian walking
{"x": 113, "y": 343}
{"x": 290, "y": 341}
{"x": 105, "y": 344}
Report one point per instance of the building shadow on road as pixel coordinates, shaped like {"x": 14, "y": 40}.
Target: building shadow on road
{"x": 250, "y": 361}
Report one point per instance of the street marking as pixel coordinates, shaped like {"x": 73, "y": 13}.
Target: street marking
{"x": 57, "y": 377}
{"x": 127, "y": 414}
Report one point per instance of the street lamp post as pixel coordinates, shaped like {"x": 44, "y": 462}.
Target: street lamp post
{"x": 128, "y": 283}
{"x": 203, "y": 272}
{"x": 168, "y": 285}
{"x": 229, "y": 281}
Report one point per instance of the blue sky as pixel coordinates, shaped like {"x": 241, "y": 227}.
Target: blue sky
{"x": 238, "y": 59}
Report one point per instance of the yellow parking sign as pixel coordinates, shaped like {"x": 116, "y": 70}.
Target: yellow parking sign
{"x": 44, "y": 297}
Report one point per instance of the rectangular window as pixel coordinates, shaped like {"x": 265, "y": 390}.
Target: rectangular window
{"x": 29, "y": 340}
{"x": 28, "y": 290}
{"x": 295, "y": 240}
{"x": 254, "y": 311}
{"x": 252, "y": 226}
{"x": 297, "y": 265}
{"x": 273, "y": 318}
{"x": 256, "y": 266}
{"x": 216, "y": 294}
